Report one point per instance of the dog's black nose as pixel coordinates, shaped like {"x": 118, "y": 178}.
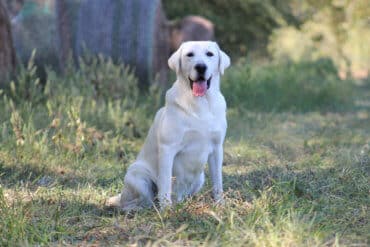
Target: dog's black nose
{"x": 200, "y": 68}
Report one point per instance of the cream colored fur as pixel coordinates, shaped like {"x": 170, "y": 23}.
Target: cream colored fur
{"x": 187, "y": 133}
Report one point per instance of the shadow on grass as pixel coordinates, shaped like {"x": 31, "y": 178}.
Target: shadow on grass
{"x": 336, "y": 195}
{"x": 13, "y": 175}
{"x": 311, "y": 183}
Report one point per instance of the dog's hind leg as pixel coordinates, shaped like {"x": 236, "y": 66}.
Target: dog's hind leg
{"x": 138, "y": 192}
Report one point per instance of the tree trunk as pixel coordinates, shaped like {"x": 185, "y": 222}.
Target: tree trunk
{"x": 63, "y": 26}
{"x": 66, "y": 17}
{"x": 132, "y": 31}
{"x": 7, "y": 52}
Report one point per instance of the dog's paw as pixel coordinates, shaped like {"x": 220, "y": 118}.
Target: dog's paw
{"x": 219, "y": 200}
{"x": 113, "y": 201}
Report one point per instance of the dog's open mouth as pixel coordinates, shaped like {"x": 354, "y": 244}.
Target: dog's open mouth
{"x": 200, "y": 86}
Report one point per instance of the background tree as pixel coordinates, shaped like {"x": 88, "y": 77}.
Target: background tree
{"x": 7, "y": 52}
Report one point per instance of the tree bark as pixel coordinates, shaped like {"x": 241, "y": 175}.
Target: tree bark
{"x": 130, "y": 31}
{"x": 63, "y": 25}
{"x": 7, "y": 52}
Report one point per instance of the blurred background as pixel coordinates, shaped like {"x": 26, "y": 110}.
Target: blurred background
{"x": 291, "y": 55}
{"x": 294, "y": 30}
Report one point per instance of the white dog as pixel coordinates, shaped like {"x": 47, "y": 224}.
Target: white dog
{"x": 187, "y": 133}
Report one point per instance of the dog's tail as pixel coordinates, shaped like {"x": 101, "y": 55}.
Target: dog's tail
{"x": 114, "y": 201}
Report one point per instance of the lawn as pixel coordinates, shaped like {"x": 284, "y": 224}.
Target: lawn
{"x": 293, "y": 176}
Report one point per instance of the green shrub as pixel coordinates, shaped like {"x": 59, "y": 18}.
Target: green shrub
{"x": 240, "y": 25}
{"x": 305, "y": 86}
{"x": 76, "y": 111}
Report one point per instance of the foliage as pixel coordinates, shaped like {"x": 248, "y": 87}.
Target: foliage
{"x": 241, "y": 25}
{"x": 337, "y": 29}
{"x": 101, "y": 91}
{"x": 303, "y": 86}
{"x": 291, "y": 30}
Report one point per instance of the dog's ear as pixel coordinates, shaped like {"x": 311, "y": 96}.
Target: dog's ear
{"x": 174, "y": 62}
{"x": 223, "y": 61}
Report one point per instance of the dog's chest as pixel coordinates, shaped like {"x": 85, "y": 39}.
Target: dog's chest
{"x": 199, "y": 141}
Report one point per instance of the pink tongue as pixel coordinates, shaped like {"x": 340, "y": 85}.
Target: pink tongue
{"x": 199, "y": 88}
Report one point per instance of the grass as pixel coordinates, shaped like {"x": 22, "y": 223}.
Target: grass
{"x": 290, "y": 178}
{"x": 298, "y": 87}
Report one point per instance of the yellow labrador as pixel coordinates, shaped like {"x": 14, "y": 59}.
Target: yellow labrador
{"x": 187, "y": 133}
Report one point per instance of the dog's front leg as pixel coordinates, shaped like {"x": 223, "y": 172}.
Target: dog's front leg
{"x": 215, "y": 170}
{"x": 165, "y": 164}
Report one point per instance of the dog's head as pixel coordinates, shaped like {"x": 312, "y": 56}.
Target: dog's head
{"x": 199, "y": 63}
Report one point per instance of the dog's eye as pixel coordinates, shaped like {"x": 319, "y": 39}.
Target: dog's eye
{"x": 209, "y": 54}
{"x": 190, "y": 54}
